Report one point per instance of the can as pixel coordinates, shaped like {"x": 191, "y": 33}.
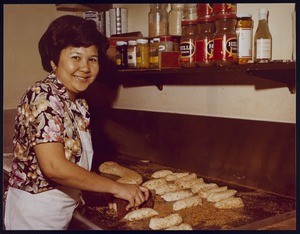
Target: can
{"x": 118, "y": 20}
{"x": 98, "y": 17}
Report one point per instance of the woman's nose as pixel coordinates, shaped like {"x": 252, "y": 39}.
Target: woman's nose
{"x": 84, "y": 66}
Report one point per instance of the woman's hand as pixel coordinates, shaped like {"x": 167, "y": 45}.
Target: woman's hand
{"x": 134, "y": 194}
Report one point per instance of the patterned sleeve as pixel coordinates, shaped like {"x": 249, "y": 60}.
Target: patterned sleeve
{"x": 43, "y": 114}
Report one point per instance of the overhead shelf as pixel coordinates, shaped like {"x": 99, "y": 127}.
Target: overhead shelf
{"x": 262, "y": 76}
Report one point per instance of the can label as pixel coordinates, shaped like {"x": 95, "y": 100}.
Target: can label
{"x": 204, "y": 50}
{"x": 225, "y": 48}
{"x": 131, "y": 57}
{"x": 187, "y": 51}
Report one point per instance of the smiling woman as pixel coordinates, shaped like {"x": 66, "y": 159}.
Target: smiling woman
{"x": 53, "y": 150}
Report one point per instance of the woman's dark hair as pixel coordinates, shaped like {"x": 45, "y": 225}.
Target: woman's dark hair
{"x": 69, "y": 30}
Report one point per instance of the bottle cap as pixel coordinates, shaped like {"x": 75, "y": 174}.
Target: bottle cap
{"x": 120, "y": 43}
{"x": 263, "y": 13}
{"x": 243, "y": 15}
{"x": 132, "y": 42}
{"x": 142, "y": 41}
{"x": 166, "y": 38}
{"x": 156, "y": 39}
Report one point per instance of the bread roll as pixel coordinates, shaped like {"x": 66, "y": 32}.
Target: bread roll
{"x": 230, "y": 203}
{"x": 183, "y": 226}
{"x": 166, "y": 188}
{"x": 187, "y": 202}
{"x": 202, "y": 186}
{"x": 154, "y": 183}
{"x": 139, "y": 214}
{"x": 166, "y": 222}
{"x": 161, "y": 174}
{"x": 186, "y": 184}
{"x": 215, "y": 197}
{"x": 127, "y": 175}
{"x": 175, "y": 176}
{"x": 185, "y": 178}
{"x": 205, "y": 194}
{"x": 177, "y": 195}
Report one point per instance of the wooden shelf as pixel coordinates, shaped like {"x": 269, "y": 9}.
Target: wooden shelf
{"x": 262, "y": 76}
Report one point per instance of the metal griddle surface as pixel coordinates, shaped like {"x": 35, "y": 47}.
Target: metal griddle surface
{"x": 262, "y": 208}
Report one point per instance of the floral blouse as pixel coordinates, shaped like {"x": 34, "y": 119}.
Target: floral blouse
{"x": 45, "y": 114}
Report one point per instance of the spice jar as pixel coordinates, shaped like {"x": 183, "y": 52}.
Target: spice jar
{"x": 225, "y": 40}
{"x": 244, "y": 30}
{"x": 131, "y": 54}
{"x": 142, "y": 53}
{"x": 175, "y": 18}
{"x": 166, "y": 43}
{"x": 190, "y": 12}
{"x": 154, "y": 53}
{"x": 205, "y": 42}
{"x": 187, "y": 43}
{"x": 158, "y": 20}
{"x": 121, "y": 54}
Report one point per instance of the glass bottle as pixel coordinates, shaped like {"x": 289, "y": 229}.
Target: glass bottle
{"x": 121, "y": 54}
{"x": 142, "y": 53}
{"x": 175, "y": 18}
{"x": 187, "y": 43}
{"x": 263, "y": 39}
{"x": 244, "y": 30}
{"x": 225, "y": 40}
{"x": 154, "y": 53}
{"x": 205, "y": 42}
{"x": 131, "y": 54}
{"x": 190, "y": 12}
{"x": 158, "y": 20}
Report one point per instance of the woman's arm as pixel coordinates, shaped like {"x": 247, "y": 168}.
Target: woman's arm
{"x": 56, "y": 167}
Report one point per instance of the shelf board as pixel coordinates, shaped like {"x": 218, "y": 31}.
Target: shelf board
{"x": 262, "y": 76}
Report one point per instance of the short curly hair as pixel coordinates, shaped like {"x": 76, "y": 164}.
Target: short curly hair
{"x": 69, "y": 30}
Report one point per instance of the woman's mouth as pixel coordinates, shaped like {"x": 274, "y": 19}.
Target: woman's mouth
{"x": 80, "y": 78}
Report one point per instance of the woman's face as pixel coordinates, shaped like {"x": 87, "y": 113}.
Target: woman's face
{"x": 77, "y": 68}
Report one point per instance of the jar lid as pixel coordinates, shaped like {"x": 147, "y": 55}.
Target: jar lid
{"x": 156, "y": 39}
{"x": 166, "y": 38}
{"x": 132, "y": 42}
{"x": 243, "y": 15}
{"x": 188, "y": 22}
{"x": 142, "y": 41}
{"x": 120, "y": 43}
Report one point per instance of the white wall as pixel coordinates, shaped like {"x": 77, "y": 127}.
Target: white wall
{"x": 24, "y": 25}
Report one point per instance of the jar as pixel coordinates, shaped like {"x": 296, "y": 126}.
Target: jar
{"x": 224, "y": 9}
{"x": 244, "y": 30}
{"x": 176, "y": 42}
{"x": 204, "y": 10}
{"x": 187, "y": 43}
{"x": 190, "y": 12}
{"x": 205, "y": 42}
{"x": 225, "y": 41}
{"x": 154, "y": 53}
{"x": 175, "y": 18}
{"x": 166, "y": 43}
{"x": 121, "y": 54}
{"x": 158, "y": 20}
{"x": 142, "y": 53}
{"x": 131, "y": 54}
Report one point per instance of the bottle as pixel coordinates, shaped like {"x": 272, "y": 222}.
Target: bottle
{"x": 244, "y": 31}
{"x": 158, "y": 20}
{"x": 263, "y": 39}
{"x": 175, "y": 18}
{"x": 205, "y": 42}
{"x": 166, "y": 43}
{"x": 154, "y": 53}
{"x": 225, "y": 40}
{"x": 142, "y": 53}
{"x": 187, "y": 43}
{"x": 190, "y": 12}
{"x": 121, "y": 54}
{"x": 131, "y": 54}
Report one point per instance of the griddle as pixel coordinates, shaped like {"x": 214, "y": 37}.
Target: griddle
{"x": 262, "y": 208}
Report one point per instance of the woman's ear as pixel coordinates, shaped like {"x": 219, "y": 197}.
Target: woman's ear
{"x": 53, "y": 65}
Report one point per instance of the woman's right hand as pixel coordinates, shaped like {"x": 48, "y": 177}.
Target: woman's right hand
{"x": 134, "y": 194}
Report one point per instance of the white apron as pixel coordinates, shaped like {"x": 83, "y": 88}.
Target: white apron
{"x": 49, "y": 210}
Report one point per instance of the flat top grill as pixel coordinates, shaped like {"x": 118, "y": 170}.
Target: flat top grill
{"x": 262, "y": 208}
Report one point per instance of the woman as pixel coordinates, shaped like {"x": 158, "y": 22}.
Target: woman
{"x": 52, "y": 143}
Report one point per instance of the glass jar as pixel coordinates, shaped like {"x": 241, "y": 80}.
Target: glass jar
{"x": 131, "y": 54}
{"x": 244, "y": 30}
{"x": 154, "y": 53}
{"x": 187, "y": 43}
{"x": 121, "y": 54}
{"x": 142, "y": 53}
{"x": 166, "y": 43}
{"x": 225, "y": 41}
{"x": 175, "y": 18}
{"x": 205, "y": 42}
{"x": 158, "y": 20}
{"x": 190, "y": 12}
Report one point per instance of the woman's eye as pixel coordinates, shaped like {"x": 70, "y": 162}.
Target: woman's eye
{"x": 76, "y": 57}
{"x": 94, "y": 59}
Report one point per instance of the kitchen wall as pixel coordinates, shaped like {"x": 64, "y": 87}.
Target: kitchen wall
{"x": 25, "y": 23}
